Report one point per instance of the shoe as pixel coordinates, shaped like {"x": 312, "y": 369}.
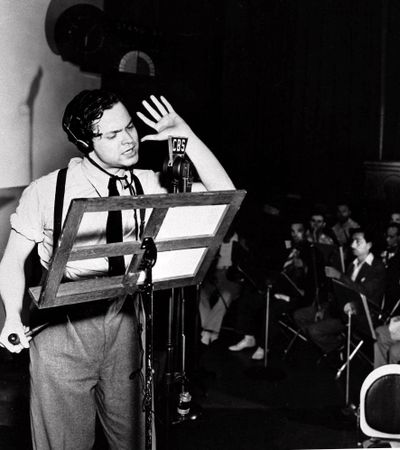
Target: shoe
{"x": 208, "y": 337}
{"x": 258, "y": 354}
{"x": 375, "y": 443}
{"x": 247, "y": 342}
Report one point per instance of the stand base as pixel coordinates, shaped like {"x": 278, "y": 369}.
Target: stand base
{"x": 265, "y": 373}
{"x": 193, "y": 414}
{"x": 350, "y": 410}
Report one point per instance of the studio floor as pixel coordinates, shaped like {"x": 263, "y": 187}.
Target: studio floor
{"x": 244, "y": 409}
{"x": 240, "y": 407}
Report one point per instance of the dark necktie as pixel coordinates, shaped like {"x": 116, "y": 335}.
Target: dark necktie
{"x": 138, "y": 191}
{"x": 116, "y": 265}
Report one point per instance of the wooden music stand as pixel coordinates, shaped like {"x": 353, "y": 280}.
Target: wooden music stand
{"x": 187, "y": 230}
{"x": 198, "y": 248}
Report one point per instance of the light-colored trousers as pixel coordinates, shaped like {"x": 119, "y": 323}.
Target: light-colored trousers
{"x": 386, "y": 350}
{"x": 81, "y": 367}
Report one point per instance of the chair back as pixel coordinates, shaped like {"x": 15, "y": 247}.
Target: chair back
{"x": 380, "y": 403}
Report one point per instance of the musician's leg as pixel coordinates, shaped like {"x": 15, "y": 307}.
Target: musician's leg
{"x": 250, "y": 305}
{"x": 382, "y": 345}
{"x": 207, "y": 289}
{"x": 249, "y": 311}
{"x": 386, "y": 350}
{"x": 327, "y": 333}
{"x": 394, "y": 353}
{"x": 304, "y": 317}
{"x": 227, "y": 291}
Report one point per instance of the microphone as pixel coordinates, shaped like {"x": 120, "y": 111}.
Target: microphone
{"x": 177, "y": 167}
{"x": 13, "y": 338}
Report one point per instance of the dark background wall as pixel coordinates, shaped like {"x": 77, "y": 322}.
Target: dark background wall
{"x": 292, "y": 95}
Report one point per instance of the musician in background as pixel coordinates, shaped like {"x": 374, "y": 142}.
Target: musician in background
{"x": 395, "y": 217}
{"x": 324, "y": 323}
{"x": 323, "y": 244}
{"x": 218, "y": 291}
{"x": 391, "y": 259}
{"x": 387, "y": 345}
{"x": 342, "y": 232}
{"x": 295, "y": 266}
{"x": 342, "y": 228}
{"x": 316, "y": 232}
{"x": 288, "y": 293}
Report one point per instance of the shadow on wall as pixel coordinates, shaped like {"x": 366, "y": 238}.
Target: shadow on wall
{"x": 9, "y": 198}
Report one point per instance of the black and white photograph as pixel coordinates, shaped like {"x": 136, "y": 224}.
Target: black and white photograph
{"x": 199, "y": 224}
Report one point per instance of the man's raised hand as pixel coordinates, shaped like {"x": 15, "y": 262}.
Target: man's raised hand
{"x": 163, "y": 119}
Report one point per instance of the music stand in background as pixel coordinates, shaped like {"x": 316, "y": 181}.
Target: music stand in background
{"x": 345, "y": 294}
{"x": 179, "y": 243}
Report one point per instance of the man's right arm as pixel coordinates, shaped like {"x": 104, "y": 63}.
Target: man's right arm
{"x": 12, "y": 288}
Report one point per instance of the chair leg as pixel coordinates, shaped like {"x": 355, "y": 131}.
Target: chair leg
{"x": 296, "y": 334}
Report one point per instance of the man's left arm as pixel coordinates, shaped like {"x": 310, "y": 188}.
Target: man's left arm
{"x": 167, "y": 123}
{"x": 372, "y": 286}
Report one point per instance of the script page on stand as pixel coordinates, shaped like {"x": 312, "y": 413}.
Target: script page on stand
{"x": 185, "y": 222}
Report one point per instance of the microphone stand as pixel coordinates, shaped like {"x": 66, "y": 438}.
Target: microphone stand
{"x": 181, "y": 173}
{"x": 265, "y": 371}
{"x": 183, "y": 183}
{"x": 148, "y": 261}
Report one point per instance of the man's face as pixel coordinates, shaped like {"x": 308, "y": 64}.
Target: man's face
{"x": 317, "y": 222}
{"x": 360, "y": 246}
{"x": 117, "y": 143}
{"x": 297, "y": 232}
{"x": 343, "y": 213}
{"x": 395, "y": 217}
{"x": 392, "y": 238}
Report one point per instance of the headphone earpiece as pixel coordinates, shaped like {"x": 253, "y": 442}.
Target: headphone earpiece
{"x": 83, "y": 143}
{"x": 77, "y": 141}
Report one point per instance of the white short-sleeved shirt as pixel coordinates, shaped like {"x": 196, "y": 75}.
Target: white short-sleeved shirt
{"x": 34, "y": 215}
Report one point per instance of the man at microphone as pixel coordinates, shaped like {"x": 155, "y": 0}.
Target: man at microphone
{"x": 82, "y": 362}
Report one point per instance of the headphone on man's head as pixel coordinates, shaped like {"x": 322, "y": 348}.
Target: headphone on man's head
{"x": 85, "y": 107}
{"x": 72, "y": 120}
{"x": 66, "y": 124}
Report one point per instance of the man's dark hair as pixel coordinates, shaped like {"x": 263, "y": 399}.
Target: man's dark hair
{"x": 297, "y": 222}
{"x": 84, "y": 109}
{"x": 369, "y": 235}
{"x": 316, "y": 212}
{"x": 394, "y": 225}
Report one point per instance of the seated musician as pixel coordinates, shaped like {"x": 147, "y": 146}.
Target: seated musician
{"x": 218, "y": 290}
{"x": 288, "y": 294}
{"x": 317, "y": 231}
{"x": 342, "y": 231}
{"x": 291, "y": 285}
{"x": 325, "y": 323}
{"x": 344, "y": 224}
{"x": 387, "y": 346}
{"x": 395, "y": 216}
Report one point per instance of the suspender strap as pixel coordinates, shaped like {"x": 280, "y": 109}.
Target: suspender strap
{"x": 58, "y": 205}
{"x": 139, "y": 191}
